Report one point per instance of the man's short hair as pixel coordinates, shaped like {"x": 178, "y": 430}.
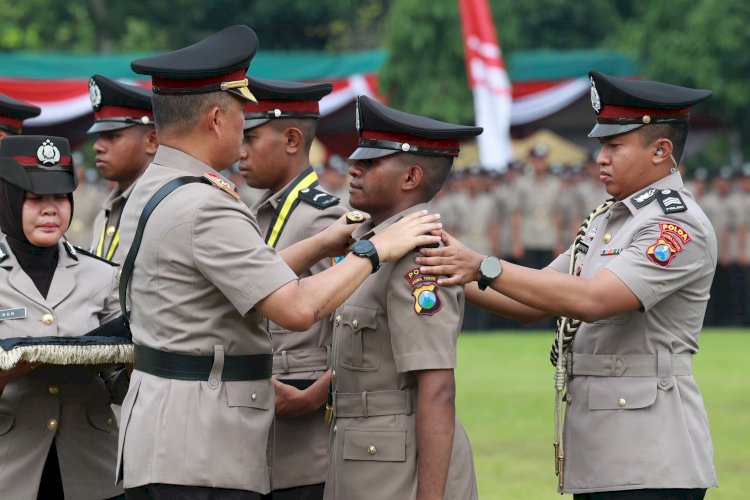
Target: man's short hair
{"x": 675, "y": 132}
{"x": 308, "y": 127}
{"x": 435, "y": 169}
{"x": 179, "y": 113}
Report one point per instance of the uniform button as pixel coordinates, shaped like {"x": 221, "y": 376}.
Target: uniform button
{"x": 568, "y": 398}
{"x": 621, "y": 403}
{"x": 111, "y": 231}
{"x": 333, "y": 376}
{"x": 53, "y": 388}
{"x": 253, "y": 397}
{"x": 110, "y": 422}
{"x": 607, "y": 238}
{"x": 663, "y": 382}
{"x": 372, "y": 450}
{"x": 355, "y": 323}
{"x": 52, "y": 424}
{"x": 338, "y": 320}
{"x": 48, "y": 319}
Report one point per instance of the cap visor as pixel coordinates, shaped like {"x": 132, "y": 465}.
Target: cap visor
{"x": 243, "y": 93}
{"x": 107, "y": 126}
{"x": 370, "y": 153}
{"x": 52, "y": 182}
{"x": 610, "y": 129}
{"x": 256, "y": 122}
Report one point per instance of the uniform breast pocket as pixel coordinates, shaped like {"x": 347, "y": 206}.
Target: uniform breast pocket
{"x": 375, "y": 445}
{"x": 360, "y": 338}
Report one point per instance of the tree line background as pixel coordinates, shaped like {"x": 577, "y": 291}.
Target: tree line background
{"x": 699, "y": 43}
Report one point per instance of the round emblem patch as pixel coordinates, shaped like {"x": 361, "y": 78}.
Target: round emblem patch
{"x": 662, "y": 252}
{"x": 427, "y": 299}
{"x": 48, "y": 154}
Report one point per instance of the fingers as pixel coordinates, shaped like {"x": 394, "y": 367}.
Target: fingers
{"x": 436, "y": 253}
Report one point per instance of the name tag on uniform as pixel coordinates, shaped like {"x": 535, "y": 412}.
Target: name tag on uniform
{"x": 17, "y": 313}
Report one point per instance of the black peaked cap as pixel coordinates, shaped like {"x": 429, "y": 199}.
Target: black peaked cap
{"x": 283, "y": 99}
{"x": 16, "y": 111}
{"x": 384, "y": 131}
{"x": 38, "y": 164}
{"x": 228, "y": 50}
{"x": 114, "y": 93}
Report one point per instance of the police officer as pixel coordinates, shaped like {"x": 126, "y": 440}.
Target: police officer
{"x": 395, "y": 433}
{"x": 279, "y": 131}
{"x": 638, "y": 280}
{"x": 125, "y": 145}
{"x": 58, "y": 436}
{"x": 199, "y": 408}
{"x": 12, "y": 115}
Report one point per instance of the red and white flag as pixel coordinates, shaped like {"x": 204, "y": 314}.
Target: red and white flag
{"x": 489, "y": 82}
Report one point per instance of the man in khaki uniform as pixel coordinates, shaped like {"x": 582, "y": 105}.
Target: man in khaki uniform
{"x": 636, "y": 291}
{"x": 125, "y": 145}
{"x": 196, "y": 419}
{"x": 534, "y": 226}
{"x": 279, "y": 131}
{"x": 395, "y": 434}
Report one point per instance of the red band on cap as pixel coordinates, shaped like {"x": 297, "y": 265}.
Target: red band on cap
{"x": 28, "y": 161}
{"x": 122, "y": 112}
{"x": 170, "y": 83}
{"x": 11, "y": 122}
{"x": 636, "y": 112}
{"x": 299, "y": 106}
{"x": 410, "y": 139}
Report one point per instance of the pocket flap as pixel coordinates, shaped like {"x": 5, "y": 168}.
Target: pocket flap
{"x": 101, "y": 417}
{"x": 376, "y": 445}
{"x": 359, "y": 317}
{"x": 621, "y": 393}
{"x": 251, "y": 394}
{"x": 6, "y": 422}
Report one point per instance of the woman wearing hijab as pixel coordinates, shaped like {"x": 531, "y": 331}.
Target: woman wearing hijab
{"x": 58, "y": 435}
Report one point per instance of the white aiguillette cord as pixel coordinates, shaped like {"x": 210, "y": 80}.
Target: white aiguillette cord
{"x": 566, "y": 330}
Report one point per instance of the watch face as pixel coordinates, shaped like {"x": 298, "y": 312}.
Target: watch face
{"x": 490, "y": 267}
{"x": 362, "y": 246}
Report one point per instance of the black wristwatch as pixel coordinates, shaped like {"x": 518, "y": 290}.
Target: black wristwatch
{"x": 365, "y": 248}
{"x": 489, "y": 270}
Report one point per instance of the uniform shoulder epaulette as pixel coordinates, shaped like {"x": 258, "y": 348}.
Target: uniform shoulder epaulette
{"x": 670, "y": 201}
{"x": 317, "y": 198}
{"x": 3, "y": 253}
{"x": 643, "y": 198}
{"x": 73, "y": 251}
{"x": 221, "y": 184}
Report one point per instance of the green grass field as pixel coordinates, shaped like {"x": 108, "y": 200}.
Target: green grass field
{"x": 506, "y": 401}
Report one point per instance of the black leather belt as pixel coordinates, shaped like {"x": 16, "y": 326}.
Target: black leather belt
{"x": 299, "y": 383}
{"x": 192, "y": 367}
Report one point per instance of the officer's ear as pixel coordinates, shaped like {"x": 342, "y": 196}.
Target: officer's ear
{"x": 662, "y": 148}
{"x": 295, "y": 140}
{"x": 151, "y": 141}
{"x": 412, "y": 177}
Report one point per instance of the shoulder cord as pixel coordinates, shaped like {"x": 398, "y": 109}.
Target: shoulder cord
{"x": 566, "y": 330}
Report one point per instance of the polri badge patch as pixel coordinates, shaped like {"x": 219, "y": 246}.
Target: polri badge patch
{"x": 671, "y": 242}
{"x": 425, "y": 292}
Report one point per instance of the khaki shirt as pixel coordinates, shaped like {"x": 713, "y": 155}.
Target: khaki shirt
{"x": 105, "y": 232}
{"x": 726, "y": 215}
{"x": 201, "y": 269}
{"x": 634, "y": 432}
{"x": 299, "y": 446}
{"x": 536, "y": 205}
{"x": 476, "y": 226}
{"x": 69, "y": 405}
{"x": 394, "y": 324}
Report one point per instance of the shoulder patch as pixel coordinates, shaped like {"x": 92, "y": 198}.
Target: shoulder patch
{"x": 643, "y": 198}
{"x": 670, "y": 201}
{"x": 671, "y": 242}
{"x": 220, "y": 183}
{"x": 317, "y": 198}
{"x": 83, "y": 251}
{"x": 425, "y": 292}
{"x": 3, "y": 252}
